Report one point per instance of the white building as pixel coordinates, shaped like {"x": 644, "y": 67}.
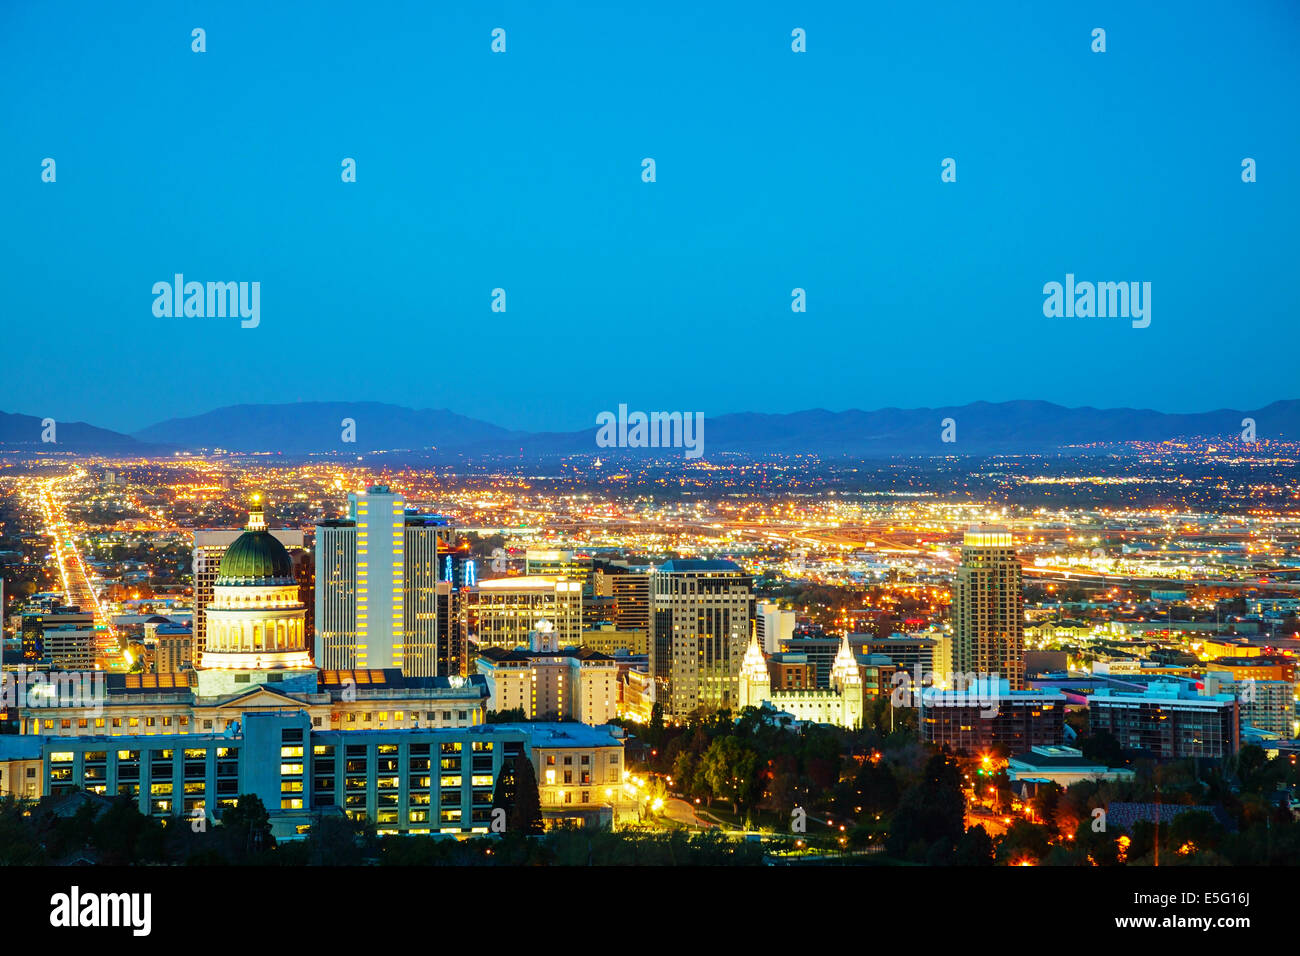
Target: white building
{"x": 1060, "y": 765}
{"x": 548, "y": 682}
{"x": 840, "y": 704}
{"x": 772, "y": 625}
{"x": 256, "y": 625}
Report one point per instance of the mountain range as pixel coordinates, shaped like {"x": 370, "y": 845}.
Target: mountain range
{"x": 303, "y": 429}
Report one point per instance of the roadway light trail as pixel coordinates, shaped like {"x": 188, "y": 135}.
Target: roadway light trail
{"x": 77, "y": 588}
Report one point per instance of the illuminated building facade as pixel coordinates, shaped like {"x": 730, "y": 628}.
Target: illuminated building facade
{"x": 428, "y": 781}
{"x": 502, "y": 612}
{"x": 772, "y": 625}
{"x": 607, "y": 639}
{"x": 209, "y": 548}
{"x": 987, "y": 608}
{"x": 702, "y": 625}
{"x": 548, "y": 682}
{"x": 35, "y": 624}
{"x": 630, "y": 590}
{"x": 839, "y": 704}
{"x": 557, "y": 564}
{"x": 257, "y": 661}
{"x": 1016, "y": 720}
{"x": 377, "y": 594}
{"x": 256, "y": 629}
{"x": 1168, "y": 719}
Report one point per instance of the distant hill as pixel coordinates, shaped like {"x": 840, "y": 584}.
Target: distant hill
{"x": 306, "y": 428}
{"x": 23, "y": 432}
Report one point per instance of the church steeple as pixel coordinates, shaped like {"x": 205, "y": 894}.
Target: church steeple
{"x": 844, "y": 671}
{"x": 755, "y": 682}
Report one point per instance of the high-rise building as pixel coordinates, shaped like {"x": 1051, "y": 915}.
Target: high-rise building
{"x": 210, "y": 547}
{"x": 377, "y": 574}
{"x": 173, "y": 648}
{"x": 630, "y": 589}
{"x": 987, "y": 608}
{"x": 702, "y": 623}
{"x": 504, "y": 611}
{"x": 1000, "y": 717}
{"x": 1267, "y": 706}
{"x": 772, "y": 626}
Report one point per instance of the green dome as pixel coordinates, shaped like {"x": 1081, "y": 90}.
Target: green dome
{"x": 256, "y": 557}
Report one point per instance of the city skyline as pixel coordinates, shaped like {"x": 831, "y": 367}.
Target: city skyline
{"x": 740, "y": 435}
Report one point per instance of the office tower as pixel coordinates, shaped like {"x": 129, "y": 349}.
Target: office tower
{"x": 377, "y": 574}
{"x": 630, "y": 589}
{"x": 1015, "y": 721}
{"x": 702, "y": 613}
{"x": 820, "y": 648}
{"x": 631, "y": 592}
{"x": 35, "y": 624}
{"x": 987, "y": 616}
{"x": 502, "y": 612}
{"x": 453, "y": 660}
{"x": 597, "y": 611}
{"x": 209, "y": 548}
{"x": 1267, "y": 706}
{"x": 772, "y": 626}
{"x": 928, "y": 653}
{"x": 174, "y": 648}
{"x": 68, "y": 647}
{"x": 426, "y": 539}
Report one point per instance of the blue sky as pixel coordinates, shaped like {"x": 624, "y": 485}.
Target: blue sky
{"x": 522, "y": 171}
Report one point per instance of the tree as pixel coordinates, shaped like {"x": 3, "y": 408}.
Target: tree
{"x": 1194, "y": 829}
{"x": 975, "y": 848}
{"x": 875, "y": 788}
{"x": 1103, "y": 747}
{"x": 685, "y": 768}
{"x": 1025, "y": 842}
{"x": 730, "y": 769}
{"x": 122, "y": 833}
{"x": 516, "y": 793}
{"x": 334, "y": 841}
{"x": 247, "y": 826}
{"x": 931, "y": 817}
{"x": 655, "y": 732}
